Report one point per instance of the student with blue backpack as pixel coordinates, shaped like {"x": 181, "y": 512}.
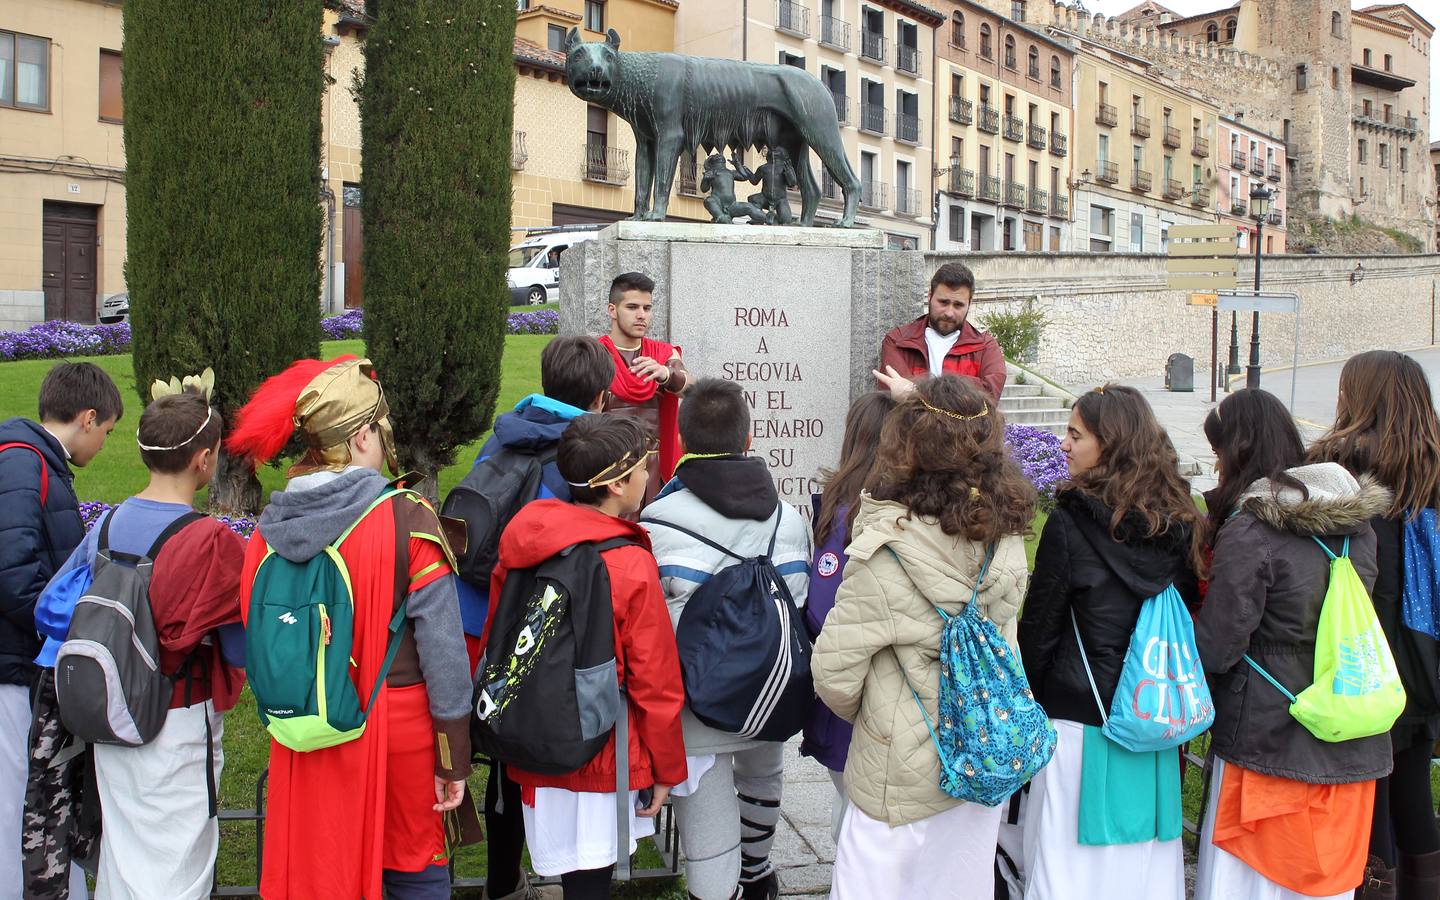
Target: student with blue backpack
{"x": 1386, "y": 427}
{"x": 1118, "y": 554}
{"x": 919, "y": 650}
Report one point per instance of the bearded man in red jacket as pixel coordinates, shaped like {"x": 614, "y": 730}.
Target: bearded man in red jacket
{"x": 942, "y": 341}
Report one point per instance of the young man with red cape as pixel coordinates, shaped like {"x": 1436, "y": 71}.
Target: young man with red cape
{"x": 649, "y": 375}
{"x": 367, "y": 818}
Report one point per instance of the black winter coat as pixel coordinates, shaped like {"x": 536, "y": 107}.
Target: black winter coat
{"x": 1079, "y": 566}
{"x": 34, "y": 542}
{"x": 1417, "y": 655}
{"x": 1268, "y": 583}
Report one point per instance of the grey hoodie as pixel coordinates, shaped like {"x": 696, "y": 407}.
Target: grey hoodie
{"x": 313, "y": 511}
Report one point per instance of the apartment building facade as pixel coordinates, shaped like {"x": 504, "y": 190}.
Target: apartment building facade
{"x": 1389, "y": 86}
{"x": 877, "y": 58}
{"x": 1246, "y": 159}
{"x": 1004, "y": 101}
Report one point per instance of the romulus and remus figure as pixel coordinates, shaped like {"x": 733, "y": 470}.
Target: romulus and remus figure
{"x": 676, "y": 103}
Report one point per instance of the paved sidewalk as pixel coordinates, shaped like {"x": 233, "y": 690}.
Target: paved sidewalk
{"x": 803, "y": 851}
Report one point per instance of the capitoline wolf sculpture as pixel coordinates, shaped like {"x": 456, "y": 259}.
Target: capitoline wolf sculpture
{"x": 676, "y": 103}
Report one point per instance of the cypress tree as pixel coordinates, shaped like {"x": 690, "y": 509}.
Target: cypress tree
{"x": 436, "y": 118}
{"x": 222, "y": 146}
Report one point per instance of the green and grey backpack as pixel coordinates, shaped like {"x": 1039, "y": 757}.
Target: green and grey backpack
{"x": 298, "y": 639}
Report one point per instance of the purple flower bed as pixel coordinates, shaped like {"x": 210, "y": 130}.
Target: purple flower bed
{"x": 92, "y": 510}
{"x": 344, "y": 326}
{"x": 542, "y": 321}
{"x": 56, "y": 338}
{"x": 1038, "y": 453}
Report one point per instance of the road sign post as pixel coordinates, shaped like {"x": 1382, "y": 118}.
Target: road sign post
{"x": 1268, "y": 301}
{"x": 1201, "y": 258}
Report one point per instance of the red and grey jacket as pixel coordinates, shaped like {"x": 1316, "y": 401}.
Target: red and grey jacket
{"x": 976, "y": 355}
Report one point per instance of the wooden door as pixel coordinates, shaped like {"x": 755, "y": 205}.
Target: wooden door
{"x": 353, "y": 247}
{"x": 68, "y": 263}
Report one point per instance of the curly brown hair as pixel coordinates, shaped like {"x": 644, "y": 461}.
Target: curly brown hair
{"x": 1138, "y": 472}
{"x": 942, "y": 455}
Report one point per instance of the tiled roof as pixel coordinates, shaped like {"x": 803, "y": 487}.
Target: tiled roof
{"x": 534, "y": 54}
{"x": 552, "y": 10}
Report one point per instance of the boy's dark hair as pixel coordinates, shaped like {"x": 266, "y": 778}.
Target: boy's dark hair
{"x": 715, "y": 417}
{"x": 575, "y": 370}
{"x": 596, "y": 445}
{"x": 954, "y": 276}
{"x": 71, "y": 388}
{"x": 185, "y": 424}
{"x": 630, "y": 281}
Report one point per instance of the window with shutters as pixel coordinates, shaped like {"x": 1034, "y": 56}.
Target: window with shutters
{"x": 112, "y": 105}
{"x": 24, "y": 71}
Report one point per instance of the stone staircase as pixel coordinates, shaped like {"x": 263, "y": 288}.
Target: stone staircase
{"x": 1024, "y": 404}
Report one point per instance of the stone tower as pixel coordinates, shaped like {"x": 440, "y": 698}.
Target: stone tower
{"x": 1310, "y": 39}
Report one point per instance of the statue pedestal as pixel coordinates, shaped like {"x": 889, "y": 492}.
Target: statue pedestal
{"x": 794, "y": 315}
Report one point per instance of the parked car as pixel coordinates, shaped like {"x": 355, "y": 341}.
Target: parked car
{"x": 115, "y": 308}
{"x": 534, "y": 275}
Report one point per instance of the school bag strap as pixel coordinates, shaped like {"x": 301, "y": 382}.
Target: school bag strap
{"x": 102, "y": 545}
{"x": 779, "y": 515}
{"x": 1089, "y": 675}
{"x": 1344, "y": 553}
{"x": 44, "y": 468}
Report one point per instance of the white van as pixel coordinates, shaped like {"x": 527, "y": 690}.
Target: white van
{"x": 534, "y": 275}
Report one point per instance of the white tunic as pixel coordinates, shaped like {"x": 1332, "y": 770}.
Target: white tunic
{"x": 947, "y": 856}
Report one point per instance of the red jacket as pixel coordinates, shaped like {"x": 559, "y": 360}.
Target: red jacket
{"x": 645, "y": 656}
{"x": 975, "y": 355}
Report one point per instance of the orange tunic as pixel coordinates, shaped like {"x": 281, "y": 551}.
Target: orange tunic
{"x": 1310, "y": 838}
{"x": 337, "y": 817}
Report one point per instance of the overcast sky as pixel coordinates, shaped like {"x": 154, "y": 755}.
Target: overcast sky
{"x": 1430, "y": 9}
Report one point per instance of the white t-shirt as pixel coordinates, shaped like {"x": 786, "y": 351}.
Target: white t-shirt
{"x": 937, "y": 345}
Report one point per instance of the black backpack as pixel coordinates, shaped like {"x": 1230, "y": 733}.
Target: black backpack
{"x": 486, "y": 500}
{"x": 744, "y": 654}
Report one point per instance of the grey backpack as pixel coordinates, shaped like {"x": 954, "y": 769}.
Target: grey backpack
{"x": 108, "y": 681}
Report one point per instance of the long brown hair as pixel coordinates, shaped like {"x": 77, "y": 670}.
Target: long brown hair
{"x": 1385, "y": 426}
{"x": 1137, "y": 473}
{"x": 842, "y": 485}
{"x": 942, "y": 455}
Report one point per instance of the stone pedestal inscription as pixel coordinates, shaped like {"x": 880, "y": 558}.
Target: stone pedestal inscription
{"x": 782, "y": 337}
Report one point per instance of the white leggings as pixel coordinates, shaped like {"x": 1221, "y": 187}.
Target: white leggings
{"x": 728, "y": 824}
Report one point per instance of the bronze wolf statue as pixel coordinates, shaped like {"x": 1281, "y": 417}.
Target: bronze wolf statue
{"x": 676, "y": 103}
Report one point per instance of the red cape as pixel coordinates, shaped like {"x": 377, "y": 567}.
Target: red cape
{"x": 636, "y": 390}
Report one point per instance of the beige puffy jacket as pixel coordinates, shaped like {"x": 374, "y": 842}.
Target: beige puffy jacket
{"x": 884, "y": 619}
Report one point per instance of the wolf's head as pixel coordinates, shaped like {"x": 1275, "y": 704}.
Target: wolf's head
{"x": 593, "y": 68}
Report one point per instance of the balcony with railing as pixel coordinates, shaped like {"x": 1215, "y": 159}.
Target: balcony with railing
{"x": 842, "y": 108}
{"x": 1257, "y": 164}
{"x": 1199, "y": 146}
{"x": 1174, "y": 190}
{"x": 1410, "y": 123}
{"x": 1060, "y": 206}
{"x": 1200, "y": 196}
{"x": 830, "y": 191}
{"x": 874, "y": 194}
{"x": 606, "y": 165}
{"x": 990, "y": 188}
{"x": 962, "y": 111}
{"x": 1238, "y": 160}
{"x": 961, "y": 182}
{"x": 1105, "y": 115}
{"x": 1141, "y": 181}
{"x": 686, "y": 176}
{"x": 989, "y": 119}
{"x": 1014, "y": 128}
{"x": 1240, "y": 208}
{"x": 1035, "y": 136}
{"x": 872, "y": 117}
{"x": 835, "y": 33}
{"x": 518, "y": 151}
{"x": 1015, "y": 194}
{"x": 1059, "y": 143}
{"x": 873, "y": 46}
{"x": 1272, "y": 171}
{"x": 1107, "y": 172}
{"x": 907, "y": 128}
{"x": 1275, "y": 217}
{"x": 1172, "y": 137}
{"x": 907, "y": 203}
{"x": 907, "y": 59}
{"x": 1037, "y": 200}
{"x": 1140, "y": 125}
{"x": 792, "y": 18}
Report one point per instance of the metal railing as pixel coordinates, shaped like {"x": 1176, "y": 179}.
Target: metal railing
{"x": 1059, "y": 143}
{"x": 1014, "y": 128}
{"x": 835, "y": 33}
{"x": 1060, "y": 206}
{"x": 907, "y": 128}
{"x": 1275, "y": 217}
{"x": 1257, "y": 164}
{"x": 1140, "y": 180}
{"x": 829, "y": 187}
{"x": 873, "y": 46}
{"x": 961, "y": 181}
{"x": 874, "y": 194}
{"x": 1272, "y": 171}
{"x": 907, "y": 202}
{"x": 518, "y": 151}
{"x": 989, "y": 119}
{"x": 990, "y": 188}
{"x": 1140, "y": 125}
{"x": 1107, "y": 171}
{"x": 687, "y": 176}
{"x": 962, "y": 111}
{"x": 1200, "y": 196}
{"x": 1239, "y": 208}
{"x": 1174, "y": 190}
{"x": 1410, "y": 123}
{"x": 1171, "y": 138}
{"x": 1238, "y": 160}
{"x": 606, "y": 165}
{"x": 907, "y": 59}
{"x": 872, "y": 117}
{"x": 1038, "y": 200}
{"x": 1199, "y": 146}
{"x": 1015, "y": 194}
{"x": 1105, "y": 115}
{"x": 842, "y": 107}
{"x": 1035, "y": 136}
{"x": 793, "y": 18}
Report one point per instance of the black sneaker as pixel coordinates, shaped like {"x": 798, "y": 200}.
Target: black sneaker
{"x": 767, "y": 888}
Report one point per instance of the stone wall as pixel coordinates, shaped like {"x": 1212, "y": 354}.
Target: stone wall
{"x": 1112, "y": 317}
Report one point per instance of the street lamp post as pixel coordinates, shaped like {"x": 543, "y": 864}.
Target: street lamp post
{"x": 1260, "y": 197}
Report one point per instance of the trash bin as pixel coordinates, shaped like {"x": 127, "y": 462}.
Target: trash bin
{"x": 1179, "y": 373}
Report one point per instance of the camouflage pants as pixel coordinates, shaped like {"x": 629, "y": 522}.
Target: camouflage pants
{"x": 62, "y": 811}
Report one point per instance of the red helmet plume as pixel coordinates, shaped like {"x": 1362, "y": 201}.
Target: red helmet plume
{"x": 265, "y": 425}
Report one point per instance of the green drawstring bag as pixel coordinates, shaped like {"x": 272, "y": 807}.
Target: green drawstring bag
{"x": 1357, "y": 691}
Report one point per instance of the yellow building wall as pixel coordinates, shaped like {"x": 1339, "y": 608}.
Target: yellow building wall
{"x": 642, "y": 24}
